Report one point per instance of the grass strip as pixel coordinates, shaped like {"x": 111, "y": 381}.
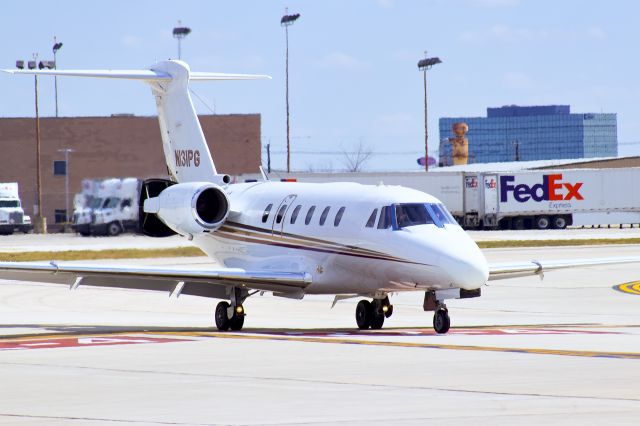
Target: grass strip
{"x": 101, "y": 254}
{"x": 557, "y": 243}
{"x": 194, "y": 251}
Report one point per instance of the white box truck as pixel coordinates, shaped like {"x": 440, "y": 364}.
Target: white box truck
{"x": 119, "y": 212}
{"x": 12, "y": 216}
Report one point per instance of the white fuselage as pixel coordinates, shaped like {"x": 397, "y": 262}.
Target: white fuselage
{"x": 343, "y": 256}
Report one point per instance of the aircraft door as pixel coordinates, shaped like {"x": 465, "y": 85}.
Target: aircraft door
{"x": 277, "y": 225}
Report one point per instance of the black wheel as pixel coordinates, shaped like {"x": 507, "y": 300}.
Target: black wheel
{"x": 377, "y": 320}
{"x": 364, "y": 312}
{"x": 543, "y": 222}
{"x": 441, "y": 321}
{"x": 518, "y": 223}
{"x": 222, "y": 319}
{"x": 559, "y": 222}
{"x": 113, "y": 229}
{"x": 237, "y": 320}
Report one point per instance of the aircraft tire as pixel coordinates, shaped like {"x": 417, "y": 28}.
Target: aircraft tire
{"x": 377, "y": 321}
{"x": 364, "y": 314}
{"x": 441, "y": 321}
{"x": 222, "y": 320}
{"x": 236, "y": 322}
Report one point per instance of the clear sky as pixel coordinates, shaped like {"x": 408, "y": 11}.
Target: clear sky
{"x": 353, "y": 74}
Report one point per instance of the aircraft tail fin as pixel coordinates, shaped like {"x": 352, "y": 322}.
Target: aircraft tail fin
{"x": 186, "y": 151}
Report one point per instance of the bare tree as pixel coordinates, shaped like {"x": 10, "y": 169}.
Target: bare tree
{"x": 354, "y": 161}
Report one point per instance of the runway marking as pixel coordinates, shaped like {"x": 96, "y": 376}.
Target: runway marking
{"x": 536, "y": 351}
{"x": 69, "y": 342}
{"x": 630, "y": 288}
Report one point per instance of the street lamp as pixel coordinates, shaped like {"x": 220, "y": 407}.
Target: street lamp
{"x": 40, "y": 222}
{"x": 424, "y": 65}
{"x": 179, "y": 33}
{"x": 56, "y": 46}
{"x": 286, "y": 22}
{"x": 66, "y": 151}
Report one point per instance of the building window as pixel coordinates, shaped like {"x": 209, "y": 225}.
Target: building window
{"x": 294, "y": 215}
{"x": 60, "y": 215}
{"x": 59, "y": 168}
{"x": 265, "y": 215}
{"x": 307, "y": 219}
{"x": 323, "y": 216}
{"x": 338, "y": 218}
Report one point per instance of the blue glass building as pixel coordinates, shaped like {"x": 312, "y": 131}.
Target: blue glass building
{"x": 522, "y": 133}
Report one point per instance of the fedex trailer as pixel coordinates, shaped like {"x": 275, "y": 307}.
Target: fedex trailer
{"x": 544, "y": 199}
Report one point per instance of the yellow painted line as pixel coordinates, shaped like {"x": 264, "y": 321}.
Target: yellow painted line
{"x": 561, "y": 352}
{"x": 630, "y": 288}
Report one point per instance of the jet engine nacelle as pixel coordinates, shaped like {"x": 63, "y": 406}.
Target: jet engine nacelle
{"x": 190, "y": 208}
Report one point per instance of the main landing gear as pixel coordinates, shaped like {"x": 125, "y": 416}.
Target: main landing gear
{"x": 231, "y": 316}
{"x": 372, "y": 314}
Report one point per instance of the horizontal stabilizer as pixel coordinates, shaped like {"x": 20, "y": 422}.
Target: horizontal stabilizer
{"x": 202, "y": 76}
{"x": 144, "y": 75}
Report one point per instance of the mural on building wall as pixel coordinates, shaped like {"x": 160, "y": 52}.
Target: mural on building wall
{"x": 460, "y": 144}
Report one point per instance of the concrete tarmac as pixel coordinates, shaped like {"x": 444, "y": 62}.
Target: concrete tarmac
{"x": 565, "y": 350}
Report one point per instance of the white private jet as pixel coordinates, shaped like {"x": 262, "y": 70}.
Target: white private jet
{"x": 292, "y": 239}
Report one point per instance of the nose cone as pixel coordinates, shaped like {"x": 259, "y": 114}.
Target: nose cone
{"x": 465, "y": 265}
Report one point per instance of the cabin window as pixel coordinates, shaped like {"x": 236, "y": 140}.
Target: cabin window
{"x": 385, "y": 218}
{"x": 323, "y": 216}
{"x": 372, "y": 219}
{"x": 265, "y": 215}
{"x": 338, "y": 218}
{"x": 307, "y": 220}
{"x": 280, "y": 214}
{"x": 294, "y": 215}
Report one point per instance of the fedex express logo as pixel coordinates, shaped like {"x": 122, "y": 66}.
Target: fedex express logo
{"x": 551, "y": 189}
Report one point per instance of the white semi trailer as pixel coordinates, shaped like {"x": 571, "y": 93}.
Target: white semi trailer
{"x": 539, "y": 199}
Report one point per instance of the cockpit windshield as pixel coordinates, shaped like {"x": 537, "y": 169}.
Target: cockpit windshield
{"x": 423, "y": 214}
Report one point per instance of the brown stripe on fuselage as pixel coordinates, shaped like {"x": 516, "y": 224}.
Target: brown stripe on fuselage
{"x": 247, "y": 233}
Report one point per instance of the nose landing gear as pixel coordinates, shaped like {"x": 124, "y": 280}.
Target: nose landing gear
{"x": 441, "y": 320}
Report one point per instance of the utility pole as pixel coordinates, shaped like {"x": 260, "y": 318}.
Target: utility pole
{"x": 40, "y": 223}
{"x": 286, "y": 22}
{"x": 424, "y": 65}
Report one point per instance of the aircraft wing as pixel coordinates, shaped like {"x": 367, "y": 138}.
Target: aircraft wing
{"x": 499, "y": 271}
{"x": 206, "y": 283}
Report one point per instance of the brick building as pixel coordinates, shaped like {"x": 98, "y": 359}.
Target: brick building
{"x": 120, "y": 146}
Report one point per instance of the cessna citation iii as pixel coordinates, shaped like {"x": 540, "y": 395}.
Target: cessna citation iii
{"x": 291, "y": 239}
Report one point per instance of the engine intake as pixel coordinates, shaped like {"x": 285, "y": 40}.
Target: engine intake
{"x": 190, "y": 208}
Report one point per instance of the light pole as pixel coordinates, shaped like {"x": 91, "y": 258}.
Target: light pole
{"x": 179, "y": 33}
{"x": 286, "y": 22}
{"x": 40, "y": 221}
{"x": 56, "y": 46}
{"x": 66, "y": 151}
{"x": 424, "y": 65}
